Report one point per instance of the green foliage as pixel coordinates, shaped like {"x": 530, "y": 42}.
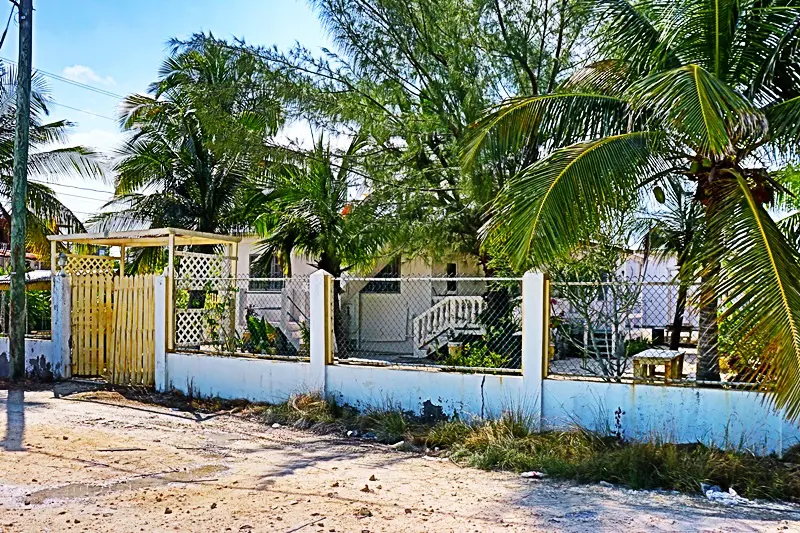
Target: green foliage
{"x": 476, "y": 354}
{"x": 192, "y": 143}
{"x": 743, "y": 355}
{"x": 309, "y": 211}
{"x": 261, "y": 336}
{"x": 410, "y": 76}
{"x": 686, "y": 93}
{"x": 389, "y": 425}
{"x": 37, "y": 309}
{"x": 634, "y": 346}
{"x": 447, "y": 433}
{"x": 50, "y": 156}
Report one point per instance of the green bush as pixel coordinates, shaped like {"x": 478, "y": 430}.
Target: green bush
{"x": 476, "y": 354}
{"x": 261, "y": 336}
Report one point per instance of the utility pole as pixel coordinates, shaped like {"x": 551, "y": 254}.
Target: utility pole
{"x": 19, "y": 191}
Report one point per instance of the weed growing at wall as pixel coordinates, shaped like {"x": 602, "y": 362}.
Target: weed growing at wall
{"x": 508, "y": 443}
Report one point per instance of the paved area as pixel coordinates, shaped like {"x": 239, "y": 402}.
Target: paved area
{"x": 98, "y": 462}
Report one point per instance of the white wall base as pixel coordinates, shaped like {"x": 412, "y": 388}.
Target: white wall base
{"x": 257, "y": 380}
{"x": 40, "y": 361}
{"x": 463, "y": 395}
{"x": 726, "y": 418}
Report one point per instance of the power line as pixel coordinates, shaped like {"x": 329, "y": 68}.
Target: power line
{"x": 82, "y": 111}
{"x": 71, "y": 186}
{"x": 81, "y": 197}
{"x": 8, "y": 23}
{"x": 72, "y": 82}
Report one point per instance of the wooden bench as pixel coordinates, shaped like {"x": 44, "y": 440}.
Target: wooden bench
{"x": 645, "y": 363}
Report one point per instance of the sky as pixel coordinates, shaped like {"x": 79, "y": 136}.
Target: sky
{"x": 117, "y": 46}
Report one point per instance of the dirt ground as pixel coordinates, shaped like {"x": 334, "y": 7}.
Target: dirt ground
{"x": 98, "y": 462}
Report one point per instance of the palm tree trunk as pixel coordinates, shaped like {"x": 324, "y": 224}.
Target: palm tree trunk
{"x": 707, "y": 346}
{"x": 707, "y": 350}
{"x": 677, "y": 321}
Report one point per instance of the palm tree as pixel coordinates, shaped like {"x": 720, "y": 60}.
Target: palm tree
{"x": 676, "y": 231}
{"x": 709, "y": 90}
{"x": 193, "y": 141}
{"x": 46, "y": 214}
{"x": 308, "y": 210}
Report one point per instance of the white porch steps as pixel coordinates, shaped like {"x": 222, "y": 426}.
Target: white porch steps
{"x": 448, "y": 317}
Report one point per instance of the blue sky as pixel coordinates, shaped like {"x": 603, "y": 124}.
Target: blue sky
{"x": 118, "y": 46}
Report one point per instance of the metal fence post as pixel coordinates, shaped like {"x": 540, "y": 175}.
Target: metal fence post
{"x": 535, "y": 340}
{"x": 320, "y": 326}
{"x": 60, "y": 325}
{"x": 160, "y": 333}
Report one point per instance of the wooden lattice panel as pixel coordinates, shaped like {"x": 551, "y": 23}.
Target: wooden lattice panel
{"x": 203, "y": 271}
{"x": 190, "y": 327}
{"x": 83, "y": 265}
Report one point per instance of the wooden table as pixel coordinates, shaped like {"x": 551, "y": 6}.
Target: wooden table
{"x": 645, "y": 363}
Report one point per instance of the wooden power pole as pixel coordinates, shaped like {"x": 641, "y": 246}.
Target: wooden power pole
{"x": 19, "y": 192}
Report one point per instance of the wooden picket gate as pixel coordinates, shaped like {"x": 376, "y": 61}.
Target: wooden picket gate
{"x": 113, "y": 328}
{"x": 133, "y": 345}
{"x": 92, "y": 328}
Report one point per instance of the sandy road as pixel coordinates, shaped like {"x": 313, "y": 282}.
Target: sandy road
{"x": 97, "y": 462}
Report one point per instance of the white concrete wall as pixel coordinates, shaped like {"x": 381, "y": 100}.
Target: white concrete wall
{"x": 40, "y": 362}
{"x": 726, "y": 418}
{"x": 462, "y": 395}
{"x": 257, "y": 380}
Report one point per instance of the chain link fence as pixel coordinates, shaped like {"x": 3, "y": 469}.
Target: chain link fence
{"x": 266, "y": 317}
{"x": 645, "y": 330}
{"x": 446, "y": 321}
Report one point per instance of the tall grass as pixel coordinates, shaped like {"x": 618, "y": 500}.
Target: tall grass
{"x": 509, "y": 443}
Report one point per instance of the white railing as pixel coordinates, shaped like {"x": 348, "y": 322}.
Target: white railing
{"x": 451, "y": 314}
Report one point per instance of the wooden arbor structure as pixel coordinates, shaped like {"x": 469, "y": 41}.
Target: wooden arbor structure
{"x": 110, "y": 311}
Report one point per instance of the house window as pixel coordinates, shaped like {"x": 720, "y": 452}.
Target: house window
{"x": 392, "y": 270}
{"x": 262, "y": 266}
{"x": 452, "y": 284}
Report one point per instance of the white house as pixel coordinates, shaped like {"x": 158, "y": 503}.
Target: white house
{"x": 385, "y": 313}
{"x": 411, "y": 305}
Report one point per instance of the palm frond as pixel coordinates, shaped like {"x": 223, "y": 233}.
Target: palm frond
{"x": 547, "y": 209}
{"x": 702, "y": 111}
{"x": 561, "y": 118}
{"x": 66, "y": 161}
{"x": 760, "y": 287}
{"x": 784, "y": 124}
{"x": 629, "y": 31}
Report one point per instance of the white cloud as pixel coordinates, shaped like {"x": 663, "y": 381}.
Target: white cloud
{"x": 84, "y": 74}
{"x": 101, "y": 140}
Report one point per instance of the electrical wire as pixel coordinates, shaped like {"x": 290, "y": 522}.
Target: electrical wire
{"x": 82, "y": 111}
{"x": 81, "y": 197}
{"x": 8, "y": 23}
{"x": 71, "y": 82}
{"x": 71, "y": 186}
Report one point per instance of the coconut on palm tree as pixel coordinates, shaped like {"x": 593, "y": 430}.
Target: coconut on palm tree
{"x": 706, "y": 90}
